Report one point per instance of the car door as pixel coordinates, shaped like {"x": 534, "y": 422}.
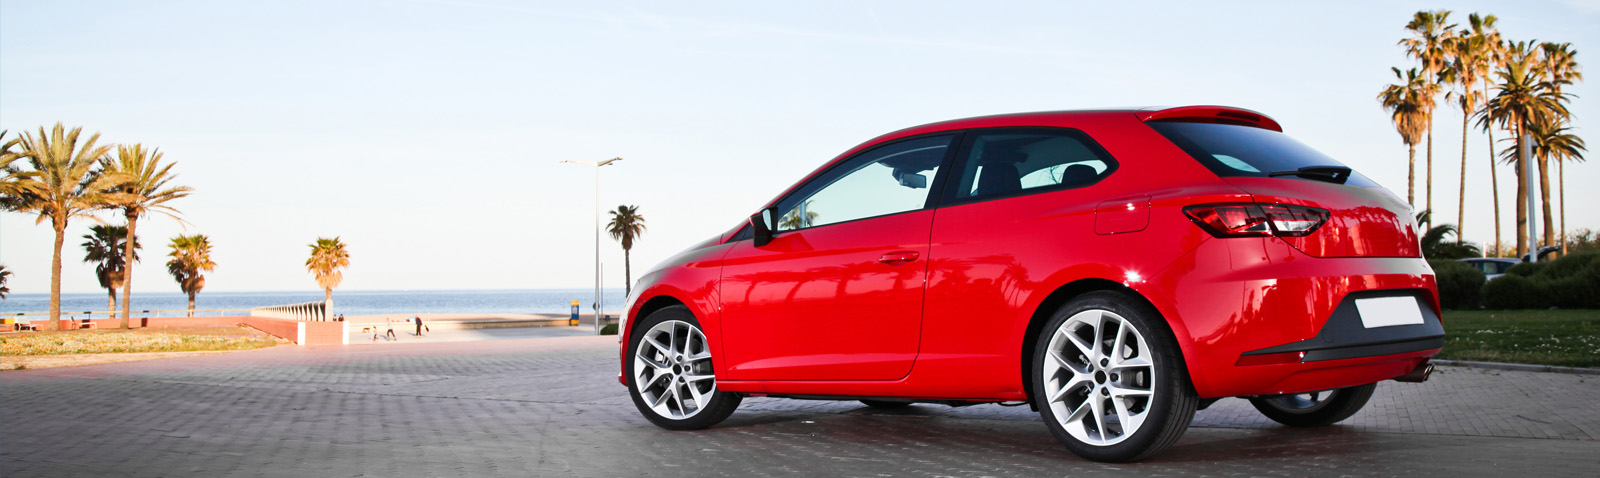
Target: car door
{"x": 837, "y": 293}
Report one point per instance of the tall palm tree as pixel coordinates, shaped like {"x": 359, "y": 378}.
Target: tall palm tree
{"x": 190, "y": 255}
{"x": 1553, "y": 140}
{"x": 1469, "y": 62}
{"x": 66, "y": 187}
{"x": 328, "y": 257}
{"x": 1522, "y": 98}
{"x": 1559, "y": 63}
{"x": 104, "y": 247}
{"x": 146, "y": 191}
{"x": 1494, "y": 51}
{"x": 626, "y": 226}
{"x": 1429, "y": 31}
{"x": 1406, "y": 104}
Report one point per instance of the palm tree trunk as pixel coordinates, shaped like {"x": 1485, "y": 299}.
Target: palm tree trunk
{"x": 327, "y": 302}
{"x": 1544, "y": 202}
{"x": 1561, "y": 179}
{"x": 127, "y": 261}
{"x": 59, "y": 222}
{"x": 1411, "y": 176}
{"x": 1429, "y": 200}
{"x": 1522, "y": 195}
{"x": 1461, "y": 207}
{"x": 191, "y": 304}
{"x": 111, "y": 299}
{"x": 1494, "y": 189}
{"x": 627, "y": 274}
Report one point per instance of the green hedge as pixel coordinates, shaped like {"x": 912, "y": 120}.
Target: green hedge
{"x": 1571, "y": 282}
{"x": 609, "y": 329}
{"x": 1460, "y": 284}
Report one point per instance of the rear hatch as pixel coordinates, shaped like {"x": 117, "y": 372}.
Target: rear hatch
{"x": 1362, "y": 218}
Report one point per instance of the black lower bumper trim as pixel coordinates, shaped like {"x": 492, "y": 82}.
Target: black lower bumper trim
{"x": 1345, "y": 336}
{"x": 1373, "y": 350}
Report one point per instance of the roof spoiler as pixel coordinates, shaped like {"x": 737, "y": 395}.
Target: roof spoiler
{"x": 1210, "y": 114}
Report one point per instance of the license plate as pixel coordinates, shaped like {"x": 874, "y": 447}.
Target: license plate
{"x": 1388, "y": 311}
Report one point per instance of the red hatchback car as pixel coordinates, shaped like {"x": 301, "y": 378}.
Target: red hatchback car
{"x": 1116, "y": 270}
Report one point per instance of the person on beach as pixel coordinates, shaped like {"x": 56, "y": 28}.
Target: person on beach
{"x": 417, "y": 319}
{"x": 390, "y": 334}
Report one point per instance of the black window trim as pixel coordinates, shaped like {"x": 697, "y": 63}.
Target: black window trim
{"x": 935, "y": 190}
{"x": 970, "y": 136}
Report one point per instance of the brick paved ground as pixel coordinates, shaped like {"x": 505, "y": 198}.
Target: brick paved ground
{"x": 552, "y": 407}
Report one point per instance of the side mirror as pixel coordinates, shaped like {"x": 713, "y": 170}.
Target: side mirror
{"x": 761, "y": 226}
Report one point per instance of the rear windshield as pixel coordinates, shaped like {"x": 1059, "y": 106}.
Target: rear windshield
{"x": 1232, "y": 150}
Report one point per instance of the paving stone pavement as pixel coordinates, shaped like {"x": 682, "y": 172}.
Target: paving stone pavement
{"x": 552, "y": 407}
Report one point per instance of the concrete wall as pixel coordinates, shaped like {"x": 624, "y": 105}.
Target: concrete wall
{"x": 302, "y": 333}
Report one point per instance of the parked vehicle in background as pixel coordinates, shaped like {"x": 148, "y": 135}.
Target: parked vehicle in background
{"x": 1491, "y": 267}
{"x": 1116, "y": 270}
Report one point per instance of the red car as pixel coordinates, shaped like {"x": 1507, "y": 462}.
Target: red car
{"x": 1114, "y": 269}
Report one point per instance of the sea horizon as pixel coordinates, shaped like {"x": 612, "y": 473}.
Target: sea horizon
{"x": 349, "y": 303}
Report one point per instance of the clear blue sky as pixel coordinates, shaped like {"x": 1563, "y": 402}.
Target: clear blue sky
{"x": 428, "y": 135}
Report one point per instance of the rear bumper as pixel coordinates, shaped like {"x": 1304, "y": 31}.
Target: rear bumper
{"x": 1278, "y": 321}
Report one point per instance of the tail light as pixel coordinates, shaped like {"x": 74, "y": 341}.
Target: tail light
{"x": 1250, "y": 219}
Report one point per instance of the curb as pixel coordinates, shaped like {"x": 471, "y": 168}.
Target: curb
{"x": 1518, "y": 367}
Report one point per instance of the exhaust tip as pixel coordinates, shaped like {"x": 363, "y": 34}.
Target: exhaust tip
{"x": 1417, "y": 375}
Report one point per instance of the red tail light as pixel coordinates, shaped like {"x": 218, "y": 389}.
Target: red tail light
{"x": 1245, "y": 220}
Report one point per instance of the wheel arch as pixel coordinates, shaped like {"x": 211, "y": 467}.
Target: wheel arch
{"x": 1064, "y": 294}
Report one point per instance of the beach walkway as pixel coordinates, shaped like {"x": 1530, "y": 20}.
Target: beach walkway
{"x": 552, "y": 407}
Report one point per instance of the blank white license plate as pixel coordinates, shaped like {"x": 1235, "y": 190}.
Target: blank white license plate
{"x": 1388, "y": 311}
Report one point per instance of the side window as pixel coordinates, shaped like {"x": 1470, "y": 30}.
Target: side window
{"x": 886, "y": 180}
{"x": 1005, "y": 163}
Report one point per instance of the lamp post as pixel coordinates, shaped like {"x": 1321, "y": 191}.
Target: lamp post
{"x": 597, "y": 165}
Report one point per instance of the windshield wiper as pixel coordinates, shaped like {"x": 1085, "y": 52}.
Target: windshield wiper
{"x": 1332, "y": 174}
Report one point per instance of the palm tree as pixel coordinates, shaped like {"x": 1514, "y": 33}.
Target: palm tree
{"x": 5, "y": 276}
{"x": 1429, "y": 31}
{"x": 1553, "y": 140}
{"x": 328, "y": 256}
{"x": 145, "y": 192}
{"x": 1406, "y": 105}
{"x": 66, "y": 187}
{"x": 1494, "y": 51}
{"x": 626, "y": 226}
{"x": 1469, "y": 62}
{"x": 104, "y": 248}
{"x": 1434, "y": 245}
{"x": 190, "y": 255}
{"x": 1523, "y": 98}
{"x": 1560, "y": 67}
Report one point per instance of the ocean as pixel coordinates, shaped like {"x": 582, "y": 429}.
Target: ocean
{"x": 350, "y": 303}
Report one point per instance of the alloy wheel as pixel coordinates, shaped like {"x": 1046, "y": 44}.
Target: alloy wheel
{"x": 1099, "y": 377}
{"x": 673, "y": 367}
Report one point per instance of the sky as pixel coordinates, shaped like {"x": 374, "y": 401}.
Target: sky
{"x": 429, "y": 135}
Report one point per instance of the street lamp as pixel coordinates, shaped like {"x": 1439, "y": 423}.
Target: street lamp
{"x": 597, "y": 166}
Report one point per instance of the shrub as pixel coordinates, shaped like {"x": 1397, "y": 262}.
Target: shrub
{"x": 610, "y": 329}
{"x": 1568, "y": 282}
{"x": 1460, "y": 284}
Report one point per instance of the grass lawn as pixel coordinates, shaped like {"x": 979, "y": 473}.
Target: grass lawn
{"x": 1568, "y": 338}
{"x": 96, "y": 341}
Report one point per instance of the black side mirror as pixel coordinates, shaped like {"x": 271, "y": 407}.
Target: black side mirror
{"x": 761, "y": 226}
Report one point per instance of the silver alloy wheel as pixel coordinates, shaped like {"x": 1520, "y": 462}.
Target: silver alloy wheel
{"x": 1099, "y": 378}
{"x": 673, "y": 368}
{"x": 1302, "y": 402}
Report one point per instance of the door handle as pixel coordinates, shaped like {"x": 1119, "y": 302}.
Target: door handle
{"x": 899, "y": 257}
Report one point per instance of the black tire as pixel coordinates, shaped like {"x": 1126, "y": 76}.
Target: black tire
{"x": 719, "y": 405}
{"x": 885, "y": 404}
{"x": 1315, "y": 409}
{"x": 1171, "y": 402}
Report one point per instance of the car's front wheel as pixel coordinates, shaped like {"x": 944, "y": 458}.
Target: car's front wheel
{"x": 673, "y": 382}
{"x": 1109, "y": 379}
{"x": 1315, "y": 409}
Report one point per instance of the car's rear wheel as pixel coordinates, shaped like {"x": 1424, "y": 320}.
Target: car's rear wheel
{"x": 1315, "y": 409}
{"x": 673, "y": 382}
{"x": 1110, "y": 380}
